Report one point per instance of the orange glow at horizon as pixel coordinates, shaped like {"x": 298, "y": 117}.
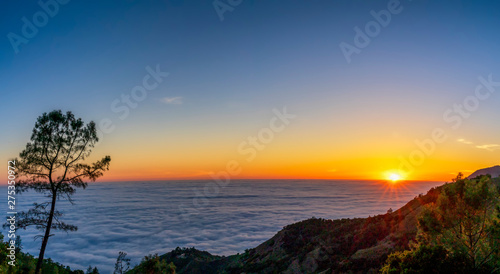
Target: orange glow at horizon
{"x": 295, "y": 153}
{"x": 135, "y": 171}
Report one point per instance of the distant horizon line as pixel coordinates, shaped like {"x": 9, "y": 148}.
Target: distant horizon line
{"x": 266, "y": 179}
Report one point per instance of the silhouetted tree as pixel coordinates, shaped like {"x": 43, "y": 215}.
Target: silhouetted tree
{"x": 51, "y": 164}
{"x": 122, "y": 263}
{"x": 91, "y": 270}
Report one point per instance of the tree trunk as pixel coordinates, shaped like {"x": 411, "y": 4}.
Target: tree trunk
{"x": 46, "y": 236}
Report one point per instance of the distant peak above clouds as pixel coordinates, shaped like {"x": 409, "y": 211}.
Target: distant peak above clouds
{"x": 494, "y": 171}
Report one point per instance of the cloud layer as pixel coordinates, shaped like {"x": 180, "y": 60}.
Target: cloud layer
{"x": 143, "y": 217}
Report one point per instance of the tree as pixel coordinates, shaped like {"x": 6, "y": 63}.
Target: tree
{"x": 122, "y": 264}
{"x": 423, "y": 259}
{"x": 463, "y": 221}
{"x": 152, "y": 264}
{"x": 52, "y": 164}
{"x": 91, "y": 270}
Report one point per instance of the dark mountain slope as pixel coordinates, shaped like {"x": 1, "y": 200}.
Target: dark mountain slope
{"x": 316, "y": 245}
{"x": 494, "y": 171}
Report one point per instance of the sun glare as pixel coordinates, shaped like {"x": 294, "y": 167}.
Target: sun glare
{"x": 394, "y": 177}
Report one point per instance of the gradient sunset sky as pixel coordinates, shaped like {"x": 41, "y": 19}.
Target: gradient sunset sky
{"x": 353, "y": 120}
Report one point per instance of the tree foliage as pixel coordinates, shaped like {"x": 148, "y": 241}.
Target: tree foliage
{"x": 152, "y": 264}
{"x": 122, "y": 264}
{"x": 92, "y": 270}
{"x": 460, "y": 233}
{"x": 26, "y": 263}
{"x": 423, "y": 259}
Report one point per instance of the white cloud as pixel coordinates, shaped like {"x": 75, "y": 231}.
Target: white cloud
{"x": 172, "y": 100}
{"x": 490, "y": 147}
{"x": 463, "y": 141}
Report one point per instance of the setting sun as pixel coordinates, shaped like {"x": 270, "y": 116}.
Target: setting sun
{"x": 394, "y": 177}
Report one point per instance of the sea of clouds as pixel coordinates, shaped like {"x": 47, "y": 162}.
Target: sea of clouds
{"x": 143, "y": 218}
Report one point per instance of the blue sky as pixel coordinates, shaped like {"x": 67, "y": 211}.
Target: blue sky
{"x": 228, "y": 75}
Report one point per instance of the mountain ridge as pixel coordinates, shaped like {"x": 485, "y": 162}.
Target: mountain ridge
{"x": 494, "y": 171}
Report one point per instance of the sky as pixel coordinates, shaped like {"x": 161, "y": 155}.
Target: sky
{"x": 260, "y": 89}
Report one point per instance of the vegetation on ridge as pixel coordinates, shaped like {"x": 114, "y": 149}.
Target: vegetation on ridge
{"x": 460, "y": 233}
{"x": 26, "y": 263}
